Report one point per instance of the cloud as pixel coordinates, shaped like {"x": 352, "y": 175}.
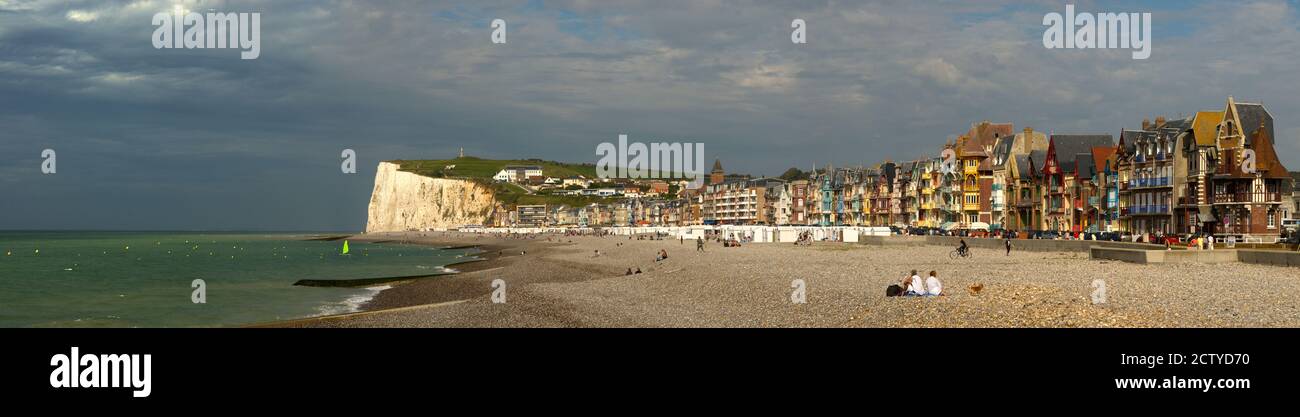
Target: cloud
{"x": 82, "y": 16}
{"x": 191, "y": 135}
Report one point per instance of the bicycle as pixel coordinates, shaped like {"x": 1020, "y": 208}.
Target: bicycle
{"x": 959, "y": 254}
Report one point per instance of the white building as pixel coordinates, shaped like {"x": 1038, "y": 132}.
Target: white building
{"x": 518, "y": 173}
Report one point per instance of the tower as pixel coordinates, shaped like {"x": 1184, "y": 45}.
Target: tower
{"x": 716, "y": 176}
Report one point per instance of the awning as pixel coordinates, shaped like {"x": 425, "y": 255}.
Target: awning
{"x": 948, "y": 226}
{"x": 978, "y": 226}
{"x": 1206, "y": 218}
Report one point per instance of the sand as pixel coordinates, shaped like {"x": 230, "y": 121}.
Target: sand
{"x": 560, "y": 283}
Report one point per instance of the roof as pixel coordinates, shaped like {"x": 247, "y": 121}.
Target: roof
{"x": 1024, "y": 167}
{"x": 984, "y": 134}
{"x": 1100, "y": 154}
{"x": 1066, "y": 145}
{"x": 717, "y": 165}
{"x": 1002, "y": 151}
{"x": 1204, "y": 127}
{"x": 1178, "y": 124}
{"x": 1130, "y": 138}
{"x": 1252, "y": 116}
{"x": 1036, "y": 159}
{"x": 1085, "y": 164}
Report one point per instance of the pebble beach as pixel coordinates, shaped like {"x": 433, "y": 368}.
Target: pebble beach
{"x": 559, "y": 281}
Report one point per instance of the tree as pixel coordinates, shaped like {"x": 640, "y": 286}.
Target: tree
{"x": 794, "y": 174}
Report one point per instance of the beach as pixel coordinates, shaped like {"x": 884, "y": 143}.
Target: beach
{"x": 560, "y": 282}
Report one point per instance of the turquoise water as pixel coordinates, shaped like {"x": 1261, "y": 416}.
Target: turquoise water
{"x": 121, "y": 279}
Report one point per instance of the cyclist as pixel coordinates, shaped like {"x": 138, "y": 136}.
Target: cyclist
{"x": 962, "y": 249}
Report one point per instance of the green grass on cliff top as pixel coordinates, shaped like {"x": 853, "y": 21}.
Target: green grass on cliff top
{"x": 483, "y": 169}
{"x": 472, "y": 167}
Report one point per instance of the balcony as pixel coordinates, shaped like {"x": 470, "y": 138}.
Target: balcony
{"x": 1239, "y": 198}
{"x": 1147, "y": 182}
{"x": 1147, "y": 209}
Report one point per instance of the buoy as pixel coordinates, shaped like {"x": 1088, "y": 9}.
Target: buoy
{"x": 38, "y": 251}
{"x": 9, "y": 253}
{"x": 345, "y": 247}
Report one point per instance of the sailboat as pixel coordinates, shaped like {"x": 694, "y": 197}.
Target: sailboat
{"x": 345, "y": 247}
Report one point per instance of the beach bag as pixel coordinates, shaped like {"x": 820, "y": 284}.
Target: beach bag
{"x": 893, "y": 291}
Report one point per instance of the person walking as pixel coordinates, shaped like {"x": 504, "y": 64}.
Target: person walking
{"x": 1007, "y": 241}
{"x": 699, "y": 244}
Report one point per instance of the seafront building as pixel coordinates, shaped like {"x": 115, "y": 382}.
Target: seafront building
{"x": 1213, "y": 172}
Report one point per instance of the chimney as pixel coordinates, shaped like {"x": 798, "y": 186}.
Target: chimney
{"x": 1146, "y": 124}
{"x": 1160, "y": 122}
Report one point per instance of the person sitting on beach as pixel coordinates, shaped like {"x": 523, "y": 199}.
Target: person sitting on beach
{"x": 638, "y": 270}
{"x": 663, "y": 255}
{"x": 597, "y": 255}
{"x": 629, "y": 271}
{"x": 932, "y": 285}
{"x": 913, "y": 285}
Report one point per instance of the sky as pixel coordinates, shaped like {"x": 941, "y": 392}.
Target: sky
{"x": 177, "y": 139}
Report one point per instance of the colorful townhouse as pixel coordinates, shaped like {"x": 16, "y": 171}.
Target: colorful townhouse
{"x": 1061, "y": 211}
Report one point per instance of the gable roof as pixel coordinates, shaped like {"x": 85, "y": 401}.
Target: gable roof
{"x": 1100, "y": 157}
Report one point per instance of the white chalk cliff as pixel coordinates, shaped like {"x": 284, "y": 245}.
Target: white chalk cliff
{"x": 404, "y": 201}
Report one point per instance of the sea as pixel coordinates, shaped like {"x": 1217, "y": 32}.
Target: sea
{"x": 153, "y": 279}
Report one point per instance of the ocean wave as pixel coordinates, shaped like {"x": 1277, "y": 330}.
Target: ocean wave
{"x": 352, "y": 304}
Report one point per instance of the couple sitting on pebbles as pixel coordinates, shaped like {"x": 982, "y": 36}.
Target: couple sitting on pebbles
{"x": 915, "y": 286}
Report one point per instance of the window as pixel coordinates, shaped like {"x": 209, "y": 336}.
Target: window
{"x": 1272, "y": 220}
